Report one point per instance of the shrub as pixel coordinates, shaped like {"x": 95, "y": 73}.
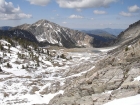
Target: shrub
{"x": 8, "y": 65}
{"x": 126, "y": 49}
{"x": 62, "y": 56}
{"x": 0, "y": 69}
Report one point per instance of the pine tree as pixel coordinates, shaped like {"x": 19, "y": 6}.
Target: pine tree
{"x": 8, "y": 65}
{"x": 0, "y": 69}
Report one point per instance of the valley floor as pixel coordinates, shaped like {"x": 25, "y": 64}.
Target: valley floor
{"x": 19, "y": 86}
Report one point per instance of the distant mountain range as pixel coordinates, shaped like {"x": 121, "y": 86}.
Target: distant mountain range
{"x": 5, "y": 27}
{"x": 101, "y": 37}
{"x": 105, "y": 31}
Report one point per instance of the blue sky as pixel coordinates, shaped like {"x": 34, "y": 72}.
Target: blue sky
{"x": 75, "y": 14}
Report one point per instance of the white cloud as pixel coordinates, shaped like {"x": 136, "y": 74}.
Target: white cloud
{"x": 75, "y": 17}
{"x": 14, "y": 16}
{"x": 134, "y": 8}
{"x": 92, "y": 18}
{"x": 84, "y": 3}
{"x": 9, "y": 12}
{"x": 125, "y": 14}
{"x": 99, "y": 12}
{"x": 39, "y": 2}
{"x": 7, "y": 7}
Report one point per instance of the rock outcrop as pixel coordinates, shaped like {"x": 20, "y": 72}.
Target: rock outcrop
{"x": 130, "y": 33}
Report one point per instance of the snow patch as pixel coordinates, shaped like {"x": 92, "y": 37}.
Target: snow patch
{"x": 133, "y": 100}
{"x": 137, "y": 79}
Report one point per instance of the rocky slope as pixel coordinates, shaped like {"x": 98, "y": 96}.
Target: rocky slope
{"x": 130, "y": 33}
{"x": 18, "y": 33}
{"x": 115, "y": 76}
{"x": 51, "y": 33}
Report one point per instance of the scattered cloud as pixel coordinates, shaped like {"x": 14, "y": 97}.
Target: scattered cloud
{"x": 75, "y": 16}
{"x": 9, "y": 12}
{"x": 84, "y": 3}
{"x": 39, "y": 2}
{"x": 99, "y": 12}
{"x": 92, "y": 18}
{"x": 134, "y": 8}
{"x": 126, "y": 14}
{"x": 14, "y": 16}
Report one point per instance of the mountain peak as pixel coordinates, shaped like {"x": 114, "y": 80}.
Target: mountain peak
{"x": 51, "y": 33}
{"x": 42, "y": 21}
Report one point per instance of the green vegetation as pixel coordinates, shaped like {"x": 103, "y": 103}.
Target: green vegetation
{"x": 126, "y": 49}
{"x": 8, "y": 65}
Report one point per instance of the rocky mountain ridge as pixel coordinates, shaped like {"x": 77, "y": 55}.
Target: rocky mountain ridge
{"x": 51, "y": 33}
{"x": 129, "y": 34}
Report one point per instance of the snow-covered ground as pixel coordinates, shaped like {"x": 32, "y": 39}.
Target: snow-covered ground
{"x": 39, "y": 84}
{"x": 133, "y": 100}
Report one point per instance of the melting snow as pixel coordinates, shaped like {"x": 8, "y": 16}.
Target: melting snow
{"x": 138, "y": 78}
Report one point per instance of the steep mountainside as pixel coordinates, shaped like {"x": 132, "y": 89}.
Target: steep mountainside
{"x": 116, "y": 76}
{"x": 52, "y": 33}
{"x": 101, "y": 41}
{"x": 130, "y": 33}
{"x": 18, "y": 33}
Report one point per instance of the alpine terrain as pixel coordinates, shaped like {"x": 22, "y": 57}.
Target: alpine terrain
{"x": 46, "y": 64}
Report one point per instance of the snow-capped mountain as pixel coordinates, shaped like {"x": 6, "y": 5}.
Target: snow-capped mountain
{"x": 51, "y": 33}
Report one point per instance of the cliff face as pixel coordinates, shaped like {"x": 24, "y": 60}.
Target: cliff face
{"x": 52, "y": 33}
{"x": 130, "y": 33}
